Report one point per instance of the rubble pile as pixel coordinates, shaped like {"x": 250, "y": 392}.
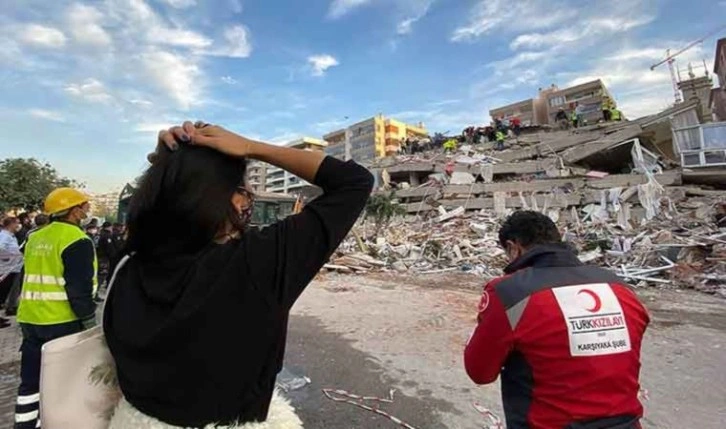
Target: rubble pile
{"x": 626, "y": 164}
{"x": 618, "y": 195}
{"x": 684, "y": 246}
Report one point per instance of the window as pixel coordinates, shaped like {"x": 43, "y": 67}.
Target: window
{"x": 714, "y": 137}
{"x": 557, "y": 101}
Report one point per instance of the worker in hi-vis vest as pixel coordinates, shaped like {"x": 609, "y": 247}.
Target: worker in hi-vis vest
{"x": 57, "y": 294}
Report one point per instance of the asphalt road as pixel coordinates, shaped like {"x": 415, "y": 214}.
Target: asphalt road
{"x": 331, "y": 362}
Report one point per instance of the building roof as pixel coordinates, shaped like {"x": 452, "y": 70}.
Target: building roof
{"x": 516, "y": 104}
{"x": 596, "y": 82}
{"x": 307, "y": 141}
{"x": 720, "y": 45}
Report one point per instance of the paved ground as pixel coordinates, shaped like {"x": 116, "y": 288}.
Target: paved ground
{"x": 369, "y": 335}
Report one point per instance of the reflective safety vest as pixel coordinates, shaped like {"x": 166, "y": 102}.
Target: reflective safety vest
{"x": 615, "y": 114}
{"x": 500, "y": 136}
{"x": 44, "y": 300}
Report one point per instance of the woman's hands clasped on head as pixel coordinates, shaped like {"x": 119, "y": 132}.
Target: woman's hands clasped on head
{"x": 201, "y": 134}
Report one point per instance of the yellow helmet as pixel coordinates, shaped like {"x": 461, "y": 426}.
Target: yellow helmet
{"x": 63, "y": 199}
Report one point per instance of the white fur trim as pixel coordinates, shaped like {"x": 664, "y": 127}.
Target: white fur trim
{"x": 281, "y": 416}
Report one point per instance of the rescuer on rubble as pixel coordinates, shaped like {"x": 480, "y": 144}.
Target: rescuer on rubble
{"x": 566, "y": 337}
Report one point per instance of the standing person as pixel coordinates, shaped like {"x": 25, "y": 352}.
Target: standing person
{"x": 26, "y": 224}
{"x": 11, "y": 304}
{"x": 207, "y": 297}
{"x": 565, "y": 336}
{"x": 561, "y": 119}
{"x": 516, "y": 126}
{"x": 119, "y": 244}
{"x": 57, "y": 294}
{"x": 106, "y": 252}
{"x": 11, "y": 260}
{"x": 500, "y": 140}
{"x": 580, "y": 111}
{"x": 607, "y": 105}
{"x": 574, "y": 117}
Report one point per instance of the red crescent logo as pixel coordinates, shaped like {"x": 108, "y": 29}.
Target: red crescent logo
{"x": 484, "y": 303}
{"x": 598, "y": 303}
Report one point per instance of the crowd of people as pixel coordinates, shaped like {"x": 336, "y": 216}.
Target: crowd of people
{"x": 196, "y": 320}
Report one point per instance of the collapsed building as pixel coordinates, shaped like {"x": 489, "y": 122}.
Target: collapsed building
{"x": 644, "y": 198}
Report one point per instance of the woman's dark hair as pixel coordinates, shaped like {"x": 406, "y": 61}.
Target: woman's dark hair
{"x": 182, "y": 202}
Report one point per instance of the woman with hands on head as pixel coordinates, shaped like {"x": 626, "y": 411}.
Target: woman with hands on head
{"x": 197, "y": 317}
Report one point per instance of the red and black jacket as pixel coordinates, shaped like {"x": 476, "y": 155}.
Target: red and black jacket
{"x": 566, "y": 338}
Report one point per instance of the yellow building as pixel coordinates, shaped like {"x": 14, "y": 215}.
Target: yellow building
{"x": 372, "y": 138}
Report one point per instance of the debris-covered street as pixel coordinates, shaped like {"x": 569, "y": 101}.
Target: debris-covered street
{"x": 370, "y": 334}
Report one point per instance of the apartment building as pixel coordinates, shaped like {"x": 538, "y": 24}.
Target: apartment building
{"x": 279, "y": 181}
{"x": 257, "y": 175}
{"x": 717, "y": 98}
{"x": 372, "y": 138}
{"x": 543, "y": 109}
{"x": 525, "y": 110}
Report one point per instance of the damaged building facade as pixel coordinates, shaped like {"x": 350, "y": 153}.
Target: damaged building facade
{"x": 542, "y": 109}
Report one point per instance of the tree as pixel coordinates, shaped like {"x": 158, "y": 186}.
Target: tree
{"x": 382, "y": 208}
{"x": 24, "y": 183}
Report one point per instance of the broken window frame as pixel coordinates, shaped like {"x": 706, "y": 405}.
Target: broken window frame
{"x": 700, "y": 155}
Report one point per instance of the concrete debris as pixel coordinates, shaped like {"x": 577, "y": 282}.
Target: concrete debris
{"x": 619, "y": 200}
{"x": 686, "y": 249}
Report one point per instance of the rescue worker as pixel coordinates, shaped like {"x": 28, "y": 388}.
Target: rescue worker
{"x": 574, "y": 117}
{"x": 607, "y": 106}
{"x": 616, "y": 115}
{"x": 561, "y": 119}
{"x": 450, "y": 145}
{"x": 500, "y": 140}
{"x": 566, "y": 337}
{"x": 57, "y": 293}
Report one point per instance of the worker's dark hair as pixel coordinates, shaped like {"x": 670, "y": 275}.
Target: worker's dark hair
{"x": 529, "y": 228}
{"x": 9, "y": 221}
{"x": 22, "y": 217}
{"x": 106, "y": 225}
{"x": 183, "y": 201}
{"x": 41, "y": 220}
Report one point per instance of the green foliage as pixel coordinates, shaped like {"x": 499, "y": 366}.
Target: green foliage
{"x": 24, "y": 183}
{"x": 382, "y": 208}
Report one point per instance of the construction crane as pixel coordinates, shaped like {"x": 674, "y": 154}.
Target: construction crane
{"x": 671, "y": 59}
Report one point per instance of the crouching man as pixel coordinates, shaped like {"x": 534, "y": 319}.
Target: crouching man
{"x": 565, "y": 336}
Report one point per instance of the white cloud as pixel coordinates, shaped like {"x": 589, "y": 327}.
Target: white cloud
{"x": 175, "y": 75}
{"x": 50, "y": 115}
{"x": 178, "y": 37}
{"x": 237, "y": 43}
{"x": 626, "y": 72}
{"x": 90, "y": 90}
{"x": 339, "y": 8}
{"x": 235, "y": 6}
{"x": 415, "y": 10}
{"x": 180, "y": 4}
{"x": 488, "y": 15}
{"x": 84, "y": 25}
{"x": 321, "y": 63}
{"x": 153, "y": 127}
{"x": 229, "y": 80}
{"x": 39, "y": 35}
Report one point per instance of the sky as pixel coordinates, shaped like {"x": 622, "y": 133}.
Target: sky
{"x": 87, "y": 85}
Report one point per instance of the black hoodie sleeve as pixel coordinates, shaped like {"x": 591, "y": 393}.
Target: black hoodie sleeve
{"x": 283, "y": 258}
{"x": 78, "y": 273}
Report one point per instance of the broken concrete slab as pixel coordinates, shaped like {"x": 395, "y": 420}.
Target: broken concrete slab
{"x": 581, "y": 152}
{"x": 667, "y": 178}
{"x": 558, "y": 201}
